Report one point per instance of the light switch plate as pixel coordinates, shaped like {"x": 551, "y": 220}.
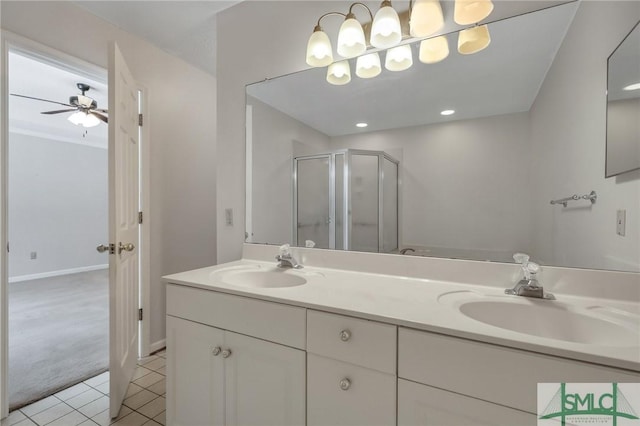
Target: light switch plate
{"x": 228, "y": 217}
{"x": 621, "y": 222}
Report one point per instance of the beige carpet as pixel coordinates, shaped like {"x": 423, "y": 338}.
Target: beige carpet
{"x": 58, "y": 333}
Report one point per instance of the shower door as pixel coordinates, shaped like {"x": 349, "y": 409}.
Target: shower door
{"x": 313, "y": 201}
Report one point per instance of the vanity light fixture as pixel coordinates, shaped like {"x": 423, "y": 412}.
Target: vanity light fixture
{"x": 399, "y": 58}
{"x": 634, "y": 86}
{"x": 361, "y": 125}
{"x": 339, "y": 73}
{"x": 473, "y": 40}
{"x": 426, "y": 18}
{"x": 433, "y": 50}
{"x": 467, "y": 12}
{"x": 82, "y": 118}
{"x": 447, "y": 112}
{"x": 368, "y": 66}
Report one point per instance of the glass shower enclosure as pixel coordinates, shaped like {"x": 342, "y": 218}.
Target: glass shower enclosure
{"x": 346, "y": 200}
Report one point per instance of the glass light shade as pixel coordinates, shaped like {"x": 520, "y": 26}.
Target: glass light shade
{"x": 473, "y": 40}
{"x": 339, "y": 73}
{"x": 319, "y": 52}
{"x": 351, "y": 40}
{"x": 399, "y": 58}
{"x": 91, "y": 120}
{"x": 385, "y": 30}
{"x": 467, "y": 12}
{"x": 368, "y": 66}
{"x": 433, "y": 50}
{"x": 426, "y": 18}
{"x": 77, "y": 117}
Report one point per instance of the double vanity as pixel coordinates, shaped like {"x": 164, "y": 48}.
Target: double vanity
{"x": 386, "y": 340}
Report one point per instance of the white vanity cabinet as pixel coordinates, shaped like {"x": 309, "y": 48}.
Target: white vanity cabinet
{"x": 220, "y": 377}
{"x": 351, "y": 371}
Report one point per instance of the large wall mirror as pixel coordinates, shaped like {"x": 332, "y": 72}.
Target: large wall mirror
{"x": 623, "y": 106}
{"x": 378, "y": 164}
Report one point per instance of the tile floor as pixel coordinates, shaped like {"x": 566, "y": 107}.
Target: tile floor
{"x": 87, "y": 403}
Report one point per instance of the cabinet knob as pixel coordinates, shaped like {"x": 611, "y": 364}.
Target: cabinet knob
{"x": 226, "y": 353}
{"x": 345, "y": 384}
{"x": 216, "y": 351}
{"x": 345, "y": 335}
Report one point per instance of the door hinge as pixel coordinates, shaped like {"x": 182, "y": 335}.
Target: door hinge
{"x": 140, "y": 314}
{"x": 140, "y": 217}
{"x": 7, "y": 247}
{"x": 140, "y": 120}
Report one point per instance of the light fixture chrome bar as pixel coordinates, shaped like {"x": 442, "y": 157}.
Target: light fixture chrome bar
{"x": 592, "y": 196}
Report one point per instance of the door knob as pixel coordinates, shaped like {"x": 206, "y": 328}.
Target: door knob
{"x": 226, "y": 353}
{"x": 125, "y": 247}
{"x": 216, "y": 351}
{"x": 105, "y": 247}
{"x": 345, "y": 384}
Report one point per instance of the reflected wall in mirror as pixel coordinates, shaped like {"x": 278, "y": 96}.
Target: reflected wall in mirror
{"x": 528, "y": 128}
{"x": 623, "y": 106}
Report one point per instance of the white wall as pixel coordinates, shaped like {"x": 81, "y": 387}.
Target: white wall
{"x": 57, "y": 205}
{"x": 445, "y": 180}
{"x": 568, "y": 136}
{"x": 277, "y": 138}
{"x": 181, "y": 137}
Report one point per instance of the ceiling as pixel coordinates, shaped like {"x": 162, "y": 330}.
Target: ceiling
{"x": 503, "y": 78}
{"x": 37, "y": 79}
{"x": 184, "y": 29}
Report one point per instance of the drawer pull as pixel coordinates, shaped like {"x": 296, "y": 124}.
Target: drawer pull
{"x": 345, "y": 384}
{"x": 216, "y": 351}
{"x": 226, "y": 353}
{"x": 345, "y": 335}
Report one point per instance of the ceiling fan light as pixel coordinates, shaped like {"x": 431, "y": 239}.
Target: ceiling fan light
{"x": 473, "y": 40}
{"x": 399, "y": 58}
{"x": 385, "y": 30}
{"x": 368, "y": 66}
{"x": 426, "y": 18}
{"x": 468, "y": 12}
{"x": 339, "y": 73}
{"x": 77, "y": 118}
{"x": 351, "y": 40}
{"x": 91, "y": 120}
{"x": 319, "y": 51}
{"x": 433, "y": 50}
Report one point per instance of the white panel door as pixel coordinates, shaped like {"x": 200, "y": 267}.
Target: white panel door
{"x": 195, "y": 374}
{"x": 265, "y": 383}
{"x": 123, "y": 226}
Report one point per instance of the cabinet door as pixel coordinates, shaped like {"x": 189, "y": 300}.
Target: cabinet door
{"x": 195, "y": 376}
{"x": 265, "y": 383}
{"x": 368, "y": 398}
{"x": 426, "y": 406}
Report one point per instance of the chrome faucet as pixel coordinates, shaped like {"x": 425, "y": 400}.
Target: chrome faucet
{"x": 529, "y": 285}
{"x": 285, "y": 258}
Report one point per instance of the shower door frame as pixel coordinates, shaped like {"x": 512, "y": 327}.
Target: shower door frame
{"x": 346, "y": 187}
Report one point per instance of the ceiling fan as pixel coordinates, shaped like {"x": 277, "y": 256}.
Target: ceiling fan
{"x": 86, "y": 109}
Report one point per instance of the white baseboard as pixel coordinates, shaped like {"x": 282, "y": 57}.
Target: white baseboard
{"x": 57, "y": 273}
{"x": 156, "y": 346}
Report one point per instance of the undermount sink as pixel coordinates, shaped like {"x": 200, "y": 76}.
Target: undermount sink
{"x": 260, "y": 278}
{"x": 551, "y": 320}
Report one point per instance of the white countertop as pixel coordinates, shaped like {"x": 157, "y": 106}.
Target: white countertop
{"x": 429, "y": 305}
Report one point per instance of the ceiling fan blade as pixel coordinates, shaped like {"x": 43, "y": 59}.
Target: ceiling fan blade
{"x": 59, "y": 111}
{"x": 100, "y": 116}
{"x": 39, "y": 99}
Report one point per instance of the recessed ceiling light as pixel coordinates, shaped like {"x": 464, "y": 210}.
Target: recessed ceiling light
{"x": 447, "y": 112}
{"x": 634, "y": 86}
{"x": 361, "y": 125}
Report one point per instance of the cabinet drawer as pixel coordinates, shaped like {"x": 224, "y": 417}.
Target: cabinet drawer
{"x": 367, "y": 343}
{"x": 265, "y": 320}
{"x": 493, "y": 373}
{"x": 426, "y": 406}
{"x": 370, "y": 398}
